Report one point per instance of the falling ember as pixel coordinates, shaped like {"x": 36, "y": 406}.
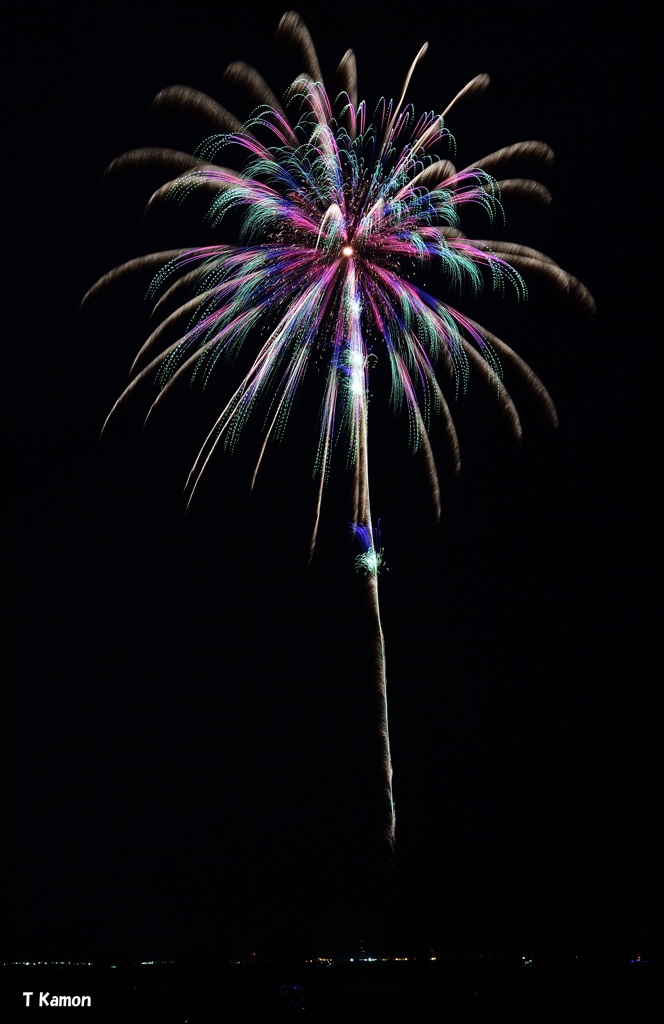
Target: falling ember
{"x": 316, "y": 178}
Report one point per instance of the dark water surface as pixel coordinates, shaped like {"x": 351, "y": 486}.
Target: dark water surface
{"x": 464, "y": 989}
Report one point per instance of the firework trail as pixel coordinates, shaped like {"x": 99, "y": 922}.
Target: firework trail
{"x": 338, "y": 214}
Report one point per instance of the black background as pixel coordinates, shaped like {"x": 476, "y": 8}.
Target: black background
{"x": 195, "y": 762}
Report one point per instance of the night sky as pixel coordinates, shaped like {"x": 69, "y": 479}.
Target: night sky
{"x": 194, "y": 758}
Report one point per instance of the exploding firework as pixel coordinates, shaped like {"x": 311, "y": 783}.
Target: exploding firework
{"x": 339, "y": 215}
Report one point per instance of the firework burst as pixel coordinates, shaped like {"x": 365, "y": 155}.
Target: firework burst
{"x": 339, "y": 216}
